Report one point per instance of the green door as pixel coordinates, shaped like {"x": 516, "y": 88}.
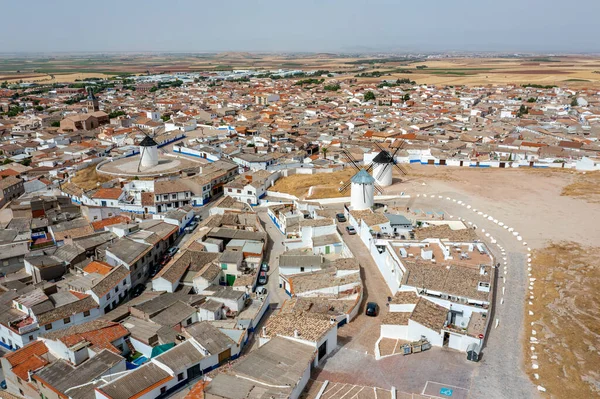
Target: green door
{"x": 230, "y": 279}
{"x": 326, "y": 249}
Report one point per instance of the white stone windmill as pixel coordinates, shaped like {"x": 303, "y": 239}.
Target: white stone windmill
{"x": 383, "y": 165}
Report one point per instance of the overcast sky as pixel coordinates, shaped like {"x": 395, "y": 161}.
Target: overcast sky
{"x": 310, "y": 25}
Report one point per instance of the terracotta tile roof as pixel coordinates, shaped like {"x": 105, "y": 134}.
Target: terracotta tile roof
{"x": 108, "y": 193}
{"x": 98, "y": 267}
{"x": 147, "y": 199}
{"x": 100, "y": 224}
{"x": 99, "y": 333}
{"x": 8, "y": 172}
{"x": 35, "y": 348}
{"x": 197, "y": 391}
{"x": 28, "y": 358}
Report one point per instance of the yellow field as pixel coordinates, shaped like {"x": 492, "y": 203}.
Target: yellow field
{"x": 299, "y": 185}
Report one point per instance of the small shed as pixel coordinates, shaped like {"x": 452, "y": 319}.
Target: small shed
{"x": 473, "y": 352}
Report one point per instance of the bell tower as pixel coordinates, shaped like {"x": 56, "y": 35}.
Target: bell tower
{"x": 92, "y": 101}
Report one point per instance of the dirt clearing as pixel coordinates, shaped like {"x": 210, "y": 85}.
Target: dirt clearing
{"x": 325, "y": 185}
{"x": 566, "y": 321}
{"x": 585, "y": 187}
{"x": 88, "y": 177}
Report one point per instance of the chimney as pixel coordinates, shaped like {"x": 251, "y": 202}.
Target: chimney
{"x": 264, "y": 331}
{"x": 296, "y": 334}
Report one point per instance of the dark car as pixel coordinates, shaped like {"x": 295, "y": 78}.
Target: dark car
{"x": 264, "y": 267}
{"x": 263, "y": 278}
{"x": 372, "y": 309}
{"x": 340, "y": 217}
{"x": 351, "y": 230}
{"x": 137, "y": 290}
{"x": 165, "y": 260}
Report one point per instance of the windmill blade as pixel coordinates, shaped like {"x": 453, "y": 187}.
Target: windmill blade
{"x": 378, "y": 146}
{"x": 401, "y": 169}
{"x": 378, "y": 188}
{"x": 370, "y": 167}
{"x": 351, "y": 159}
{"x": 141, "y": 156}
{"x": 345, "y": 186}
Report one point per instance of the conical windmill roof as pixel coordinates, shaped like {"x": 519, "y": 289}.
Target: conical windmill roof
{"x": 362, "y": 177}
{"x": 148, "y": 142}
{"x": 383, "y": 157}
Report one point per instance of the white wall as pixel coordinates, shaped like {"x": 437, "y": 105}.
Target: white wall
{"x": 415, "y": 330}
{"x": 394, "y": 331}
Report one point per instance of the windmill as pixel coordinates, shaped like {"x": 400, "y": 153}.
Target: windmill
{"x": 148, "y": 151}
{"x": 384, "y": 163}
{"x": 362, "y": 185}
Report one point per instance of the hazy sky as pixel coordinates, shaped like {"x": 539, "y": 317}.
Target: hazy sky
{"x": 310, "y": 25}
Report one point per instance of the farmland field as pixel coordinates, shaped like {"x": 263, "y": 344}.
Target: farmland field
{"x": 577, "y": 71}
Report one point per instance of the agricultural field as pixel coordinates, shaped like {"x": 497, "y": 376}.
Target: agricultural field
{"x": 577, "y": 71}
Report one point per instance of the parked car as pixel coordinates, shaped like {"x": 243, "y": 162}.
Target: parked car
{"x": 263, "y": 278}
{"x": 137, "y": 290}
{"x": 165, "y": 260}
{"x": 340, "y": 217}
{"x": 372, "y": 309}
{"x": 351, "y": 230}
{"x": 189, "y": 229}
{"x": 198, "y": 218}
{"x": 172, "y": 251}
{"x": 3, "y": 384}
{"x": 261, "y": 291}
{"x": 264, "y": 267}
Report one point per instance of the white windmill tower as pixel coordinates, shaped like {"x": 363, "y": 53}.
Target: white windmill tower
{"x": 362, "y": 191}
{"x": 383, "y": 165}
{"x": 148, "y": 153}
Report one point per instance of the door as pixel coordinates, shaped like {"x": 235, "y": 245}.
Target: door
{"x": 224, "y": 355}
{"x": 442, "y": 162}
{"x": 327, "y": 249}
{"x": 230, "y": 279}
{"x": 322, "y": 350}
{"x": 446, "y": 338}
{"x": 193, "y": 372}
{"x": 431, "y": 162}
{"x": 502, "y": 165}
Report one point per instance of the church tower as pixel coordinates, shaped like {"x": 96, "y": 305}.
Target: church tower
{"x": 92, "y": 101}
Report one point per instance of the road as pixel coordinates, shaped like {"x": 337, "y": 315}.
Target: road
{"x": 502, "y": 358}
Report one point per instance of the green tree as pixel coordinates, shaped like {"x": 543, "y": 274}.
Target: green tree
{"x": 39, "y": 108}
{"x": 153, "y": 89}
{"x": 334, "y": 87}
{"x": 55, "y": 124}
{"x": 531, "y": 100}
{"x": 115, "y": 114}
{"x": 369, "y": 96}
{"x": 165, "y": 118}
{"x": 406, "y": 97}
{"x": 26, "y": 162}
{"x": 4, "y": 85}
{"x": 324, "y": 151}
{"x": 574, "y": 102}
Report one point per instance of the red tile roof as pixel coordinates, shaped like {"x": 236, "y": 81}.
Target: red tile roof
{"x": 28, "y": 358}
{"x": 108, "y": 193}
{"x": 100, "y": 224}
{"x": 98, "y": 267}
{"x": 100, "y": 335}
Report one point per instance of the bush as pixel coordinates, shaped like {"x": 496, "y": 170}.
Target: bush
{"x": 369, "y": 96}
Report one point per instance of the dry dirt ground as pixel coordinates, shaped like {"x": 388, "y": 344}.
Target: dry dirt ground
{"x": 88, "y": 178}
{"x": 565, "y": 324}
{"x": 325, "y": 185}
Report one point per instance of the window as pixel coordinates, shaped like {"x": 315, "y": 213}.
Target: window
{"x": 116, "y": 289}
{"x": 48, "y": 327}
{"x": 239, "y": 191}
{"x": 108, "y": 296}
{"x": 86, "y": 313}
{"x": 67, "y": 320}
{"x": 302, "y": 269}
{"x": 223, "y": 266}
{"x": 31, "y": 337}
{"x": 189, "y": 321}
{"x": 163, "y": 390}
{"x": 179, "y": 376}
{"x": 249, "y": 192}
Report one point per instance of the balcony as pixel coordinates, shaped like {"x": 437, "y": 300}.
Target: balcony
{"x": 25, "y": 325}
